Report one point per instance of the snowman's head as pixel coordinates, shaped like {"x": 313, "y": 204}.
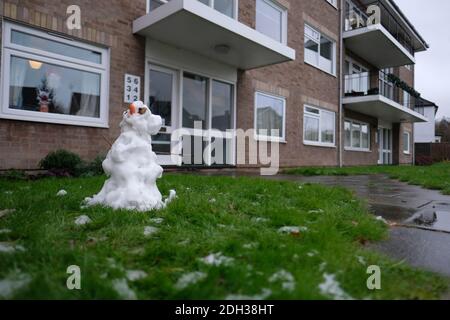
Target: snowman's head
{"x": 139, "y": 118}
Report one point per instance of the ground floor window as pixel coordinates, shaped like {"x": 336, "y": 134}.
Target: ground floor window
{"x": 406, "y": 142}
{"x": 51, "y": 79}
{"x": 357, "y": 135}
{"x": 319, "y": 126}
{"x": 270, "y": 116}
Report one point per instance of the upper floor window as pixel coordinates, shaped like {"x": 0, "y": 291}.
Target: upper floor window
{"x": 227, "y": 7}
{"x": 51, "y": 79}
{"x": 271, "y": 20}
{"x": 319, "y": 50}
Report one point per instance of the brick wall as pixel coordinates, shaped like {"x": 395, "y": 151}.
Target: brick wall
{"x": 299, "y": 82}
{"x": 104, "y": 22}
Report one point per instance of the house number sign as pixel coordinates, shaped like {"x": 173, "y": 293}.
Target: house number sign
{"x": 132, "y": 88}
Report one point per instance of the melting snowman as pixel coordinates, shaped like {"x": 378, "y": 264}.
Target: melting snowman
{"x": 131, "y": 165}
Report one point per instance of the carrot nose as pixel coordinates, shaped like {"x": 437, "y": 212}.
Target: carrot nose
{"x": 132, "y": 109}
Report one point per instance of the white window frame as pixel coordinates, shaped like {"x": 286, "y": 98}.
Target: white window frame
{"x": 408, "y": 140}
{"x": 210, "y": 4}
{"x": 284, "y": 18}
{"x": 319, "y": 117}
{"x": 11, "y": 49}
{"x": 333, "y": 3}
{"x": 360, "y": 123}
{"x": 259, "y": 137}
{"x": 317, "y": 65}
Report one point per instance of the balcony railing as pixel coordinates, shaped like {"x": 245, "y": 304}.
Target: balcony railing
{"x": 356, "y": 18}
{"x": 380, "y": 83}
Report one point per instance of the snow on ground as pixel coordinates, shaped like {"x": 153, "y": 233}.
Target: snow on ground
{"x": 189, "y": 279}
{"x": 285, "y": 278}
{"x": 361, "y": 260}
{"x": 123, "y": 290}
{"x": 251, "y": 245}
{"x": 7, "y": 247}
{"x": 82, "y": 220}
{"x": 5, "y": 231}
{"x": 217, "y": 259}
{"x": 380, "y": 218}
{"x": 61, "y": 193}
{"x": 260, "y": 220}
{"x": 4, "y": 213}
{"x": 8, "y": 193}
{"x": 150, "y": 231}
{"x": 157, "y": 220}
{"x": 316, "y": 211}
{"x": 14, "y": 282}
{"x": 292, "y": 230}
{"x": 332, "y": 288}
{"x": 312, "y": 253}
{"x": 136, "y": 275}
{"x": 265, "y": 294}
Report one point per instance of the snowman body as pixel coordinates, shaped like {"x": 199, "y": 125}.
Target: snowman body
{"x": 131, "y": 165}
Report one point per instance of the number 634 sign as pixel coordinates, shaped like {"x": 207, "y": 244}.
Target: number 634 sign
{"x": 132, "y": 88}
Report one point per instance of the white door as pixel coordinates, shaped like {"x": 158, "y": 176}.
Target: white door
{"x": 162, "y": 100}
{"x": 384, "y": 137}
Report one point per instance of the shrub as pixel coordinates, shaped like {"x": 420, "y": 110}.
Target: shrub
{"x": 94, "y": 168}
{"x": 62, "y": 163}
{"x": 13, "y": 175}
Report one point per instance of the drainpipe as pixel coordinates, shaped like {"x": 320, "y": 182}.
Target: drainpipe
{"x": 341, "y": 59}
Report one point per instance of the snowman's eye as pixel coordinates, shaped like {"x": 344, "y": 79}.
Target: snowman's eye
{"x": 142, "y": 110}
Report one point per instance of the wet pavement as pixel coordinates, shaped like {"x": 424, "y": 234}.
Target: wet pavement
{"x": 419, "y": 218}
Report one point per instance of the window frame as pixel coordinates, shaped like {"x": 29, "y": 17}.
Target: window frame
{"x": 408, "y": 134}
{"x": 319, "y": 117}
{"x": 369, "y": 140}
{"x": 10, "y": 49}
{"x": 210, "y": 4}
{"x": 317, "y": 66}
{"x": 284, "y": 19}
{"x": 333, "y": 3}
{"x": 259, "y": 137}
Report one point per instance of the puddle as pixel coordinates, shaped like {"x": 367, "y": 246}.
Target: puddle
{"x": 391, "y": 213}
{"x": 431, "y": 220}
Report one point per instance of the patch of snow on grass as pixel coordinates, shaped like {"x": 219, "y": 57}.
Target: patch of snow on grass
{"x": 292, "y": 230}
{"x": 135, "y": 275}
{"x": 361, "y": 260}
{"x": 5, "y": 231}
{"x": 260, "y": 220}
{"x": 149, "y": 231}
{"x": 316, "y": 211}
{"x": 82, "y": 220}
{"x": 7, "y": 247}
{"x": 312, "y": 253}
{"x": 157, "y": 220}
{"x": 123, "y": 290}
{"x": 189, "y": 279}
{"x": 12, "y": 283}
{"x": 331, "y": 288}
{"x": 380, "y": 218}
{"x": 172, "y": 196}
{"x": 61, "y": 193}
{"x": 265, "y": 294}
{"x": 8, "y": 193}
{"x": 286, "y": 278}
{"x": 4, "y": 213}
{"x": 252, "y": 245}
{"x": 217, "y": 259}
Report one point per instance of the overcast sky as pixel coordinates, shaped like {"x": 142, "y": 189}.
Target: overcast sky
{"x": 431, "y": 19}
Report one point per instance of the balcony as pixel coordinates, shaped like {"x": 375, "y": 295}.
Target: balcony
{"x": 376, "y": 95}
{"x": 191, "y": 25}
{"x": 387, "y": 41}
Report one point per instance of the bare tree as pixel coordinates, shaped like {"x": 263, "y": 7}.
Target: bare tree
{"x": 443, "y": 129}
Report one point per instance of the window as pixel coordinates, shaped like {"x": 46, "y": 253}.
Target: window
{"x": 227, "y": 7}
{"x": 319, "y": 127}
{"x": 406, "y": 99}
{"x": 269, "y": 116}
{"x": 333, "y": 3}
{"x": 406, "y": 142}
{"x": 357, "y": 136}
{"x": 319, "y": 50}
{"x": 222, "y": 105}
{"x": 271, "y": 20}
{"x": 195, "y": 100}
{"x": 51, "y": 79}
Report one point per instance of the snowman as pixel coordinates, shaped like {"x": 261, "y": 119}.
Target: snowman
{"x": 131, "y": 165}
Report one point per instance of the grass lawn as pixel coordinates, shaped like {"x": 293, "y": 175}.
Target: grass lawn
{"x": 436, "y": 176}
{"x": 239, "y": 217}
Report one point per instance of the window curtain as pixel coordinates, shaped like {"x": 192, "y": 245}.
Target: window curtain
{"x": 18, "y": 74}
{"x": 90, "y": 92}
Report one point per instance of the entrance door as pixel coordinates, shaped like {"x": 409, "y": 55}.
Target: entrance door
{"x": 384, "y": 136}
{"x": 162, "y": 101}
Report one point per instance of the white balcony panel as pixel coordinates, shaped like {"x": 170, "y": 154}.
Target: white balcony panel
{"x": 193, "y": 26}
{"x": 378, "y": 47}
{"x": 382, "y": 108}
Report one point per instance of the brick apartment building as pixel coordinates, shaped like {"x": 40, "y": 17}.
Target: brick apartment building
{"x": 336, "y": 82}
